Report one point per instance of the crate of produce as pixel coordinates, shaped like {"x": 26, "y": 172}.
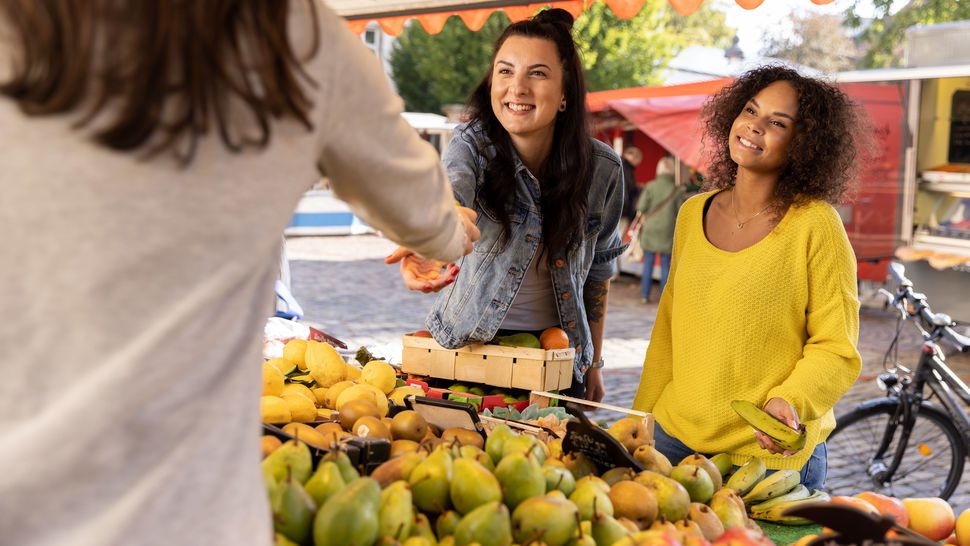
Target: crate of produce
{"x": 496, "y": 365}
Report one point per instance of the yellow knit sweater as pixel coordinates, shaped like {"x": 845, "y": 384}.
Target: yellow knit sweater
{"x": 777, "y": 319}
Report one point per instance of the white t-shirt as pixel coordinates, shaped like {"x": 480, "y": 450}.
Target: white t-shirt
{"x": 133, "y": 296}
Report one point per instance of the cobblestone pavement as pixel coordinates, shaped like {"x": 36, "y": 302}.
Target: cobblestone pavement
{"x": 345, "y": 288}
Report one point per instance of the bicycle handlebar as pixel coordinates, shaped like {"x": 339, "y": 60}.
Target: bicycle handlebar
{"x": 939, "y": 321}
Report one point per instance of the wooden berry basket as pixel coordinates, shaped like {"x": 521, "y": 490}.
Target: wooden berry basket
{"x": 508, "y": 367}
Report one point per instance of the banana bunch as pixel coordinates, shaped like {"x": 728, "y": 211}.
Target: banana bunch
{"x": 784, "y": 436}
{"x": 774, "y": 510}
{"x": 768, "y": 497}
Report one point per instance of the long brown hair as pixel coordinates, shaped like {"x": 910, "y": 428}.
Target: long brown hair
{"x": 167, "y": 68}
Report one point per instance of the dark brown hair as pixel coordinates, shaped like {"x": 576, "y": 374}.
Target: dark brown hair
{"x": 168, "y": 69}
{"x": 567, "y": 171}
{"x": 830, "y": 137}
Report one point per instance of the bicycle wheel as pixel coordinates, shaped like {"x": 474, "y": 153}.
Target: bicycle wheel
{"x": 932, "y": 462}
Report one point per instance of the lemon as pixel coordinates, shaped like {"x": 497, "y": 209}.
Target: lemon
{"x": 272, "y": 380}
{"x": 295, "y": 352}
{"x": 380, "y": 374}
{"x": 274, "y": 410}
{"x": 301, "y": 409}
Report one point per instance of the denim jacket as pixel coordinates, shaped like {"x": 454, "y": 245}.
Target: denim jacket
{"x": 472, "y": 309}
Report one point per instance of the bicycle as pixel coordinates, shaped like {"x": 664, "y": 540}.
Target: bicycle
{"x": 902, "y": 444}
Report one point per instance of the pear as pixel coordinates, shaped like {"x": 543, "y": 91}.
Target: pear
{"x": 525, "y": 444}
{"x": 472, "y": 486}
{"x": 607, "y": 530}
{"x": 293, "y": 511}
{"x": 418, "y": 541}
{"x": 350, "y": 516}
{"x": 495, "y": 443}
{"x": 617, "y": 474}
{"x": 705, "y": 518}
{"x": 520, "y": 478}
{"x": 558, "y": 478}
{"x": 396, "y": 512}
{"x": 712, "y": 470}
{"x": 579, "y": 464}
{"x": 280, "y": 540}
{"x": 446, "y": 523}
{"x": 398, "y": 468}
{"x": 628, "y": 524}
{"x": 723, "y": 463}
{"x": 590, "y": 499}
{"x": 695, "y": 480}
{"x": 673, "y": 501}
{"x": 347, "y": 469}
{"x": 549, "y": 519}
{"x": 476, "y": 454}
{"x": 555, "y": 449}
{"x": 631, "y": 432}
{"x": 598, "y": 482}
{"x": 728, "y": 510}
{"x": 652, "y": 460}
{"x": 462, "y": 437}
{"x": 430, "y": 482}
{"x": 661, "y": 524}
{"x": 292, "y": 459}
{"x": 487, "y": 525}
{"x": 634, "y": 501}
{"x": 325, "y": 482}
{"x": 421, "y": 528}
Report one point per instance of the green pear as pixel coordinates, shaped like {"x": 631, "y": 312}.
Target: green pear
{"x": 421, "y": 528}
{"x": 495, "y": 443}
{"x": 472, "y": 486}
{"x": 712, "y": 470}
{"x": 607, "y": 530}
{"x": 478, "y": 454}
{"x": 398, "y": 468}
{"x": 290, "y": 460}
{"x": 520, "y": 477}
{"x": 723, "y": 463}
{"x": 430, "y": 482}
{"x": 326, "y": 481}
{"x": 525, "y": 444}
{"x": 590, "y": 499}
{"x": 652, "y": 460}
{"x": 618, "y": 474}
{"x": 695, "y": 480}
{"x": 559, "y": 478}
{"x": 417, "y": 541}
{"x": 280, "y": 540}
{"x": 673, "y": 501}
{"x": 447, "y": 541}
{"x": 598, "y": 482}
{"x": 347, "y": 469}
{"x": 549, "y": 519}
{"x": 446, "y": 523}
{"x": 350, "y": 516}
{"x": 293, "y": 511}
{"x": 579, "y": 464}
{"x": 487, "y": 525}
{"x": 396, "y": 512}
{"x": 729, "y": 508}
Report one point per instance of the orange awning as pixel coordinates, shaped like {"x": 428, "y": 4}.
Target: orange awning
{"x": 432, "y": 14}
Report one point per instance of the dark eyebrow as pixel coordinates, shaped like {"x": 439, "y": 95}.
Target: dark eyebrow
{"x": 540, "y": 65}
{"x": 779, "y": 114}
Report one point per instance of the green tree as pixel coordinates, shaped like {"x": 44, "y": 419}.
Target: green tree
{"x": 431, "y": 71}
{"x": 885, "y": 35}
{"x": 817, "y": 40}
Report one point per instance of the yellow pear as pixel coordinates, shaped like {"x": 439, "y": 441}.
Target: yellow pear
{"x": 295, "y": 351}
{"x": 363, "y": 391}
{"x": 272, "y": 380}
{"x": 274, "y": 410}
{"x": 325, "y": 364}
{"x": 301, "y": 409}
{"x": 380, "y": 374}
{"x": 302, "y": 390}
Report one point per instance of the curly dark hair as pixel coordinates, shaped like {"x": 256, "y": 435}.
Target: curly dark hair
{"x": 823, "y": 160}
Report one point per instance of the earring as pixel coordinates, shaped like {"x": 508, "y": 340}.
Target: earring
{"x": 562, "y": 106}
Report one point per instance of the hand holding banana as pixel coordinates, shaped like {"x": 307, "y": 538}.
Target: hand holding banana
{"x": 777, "y": 427}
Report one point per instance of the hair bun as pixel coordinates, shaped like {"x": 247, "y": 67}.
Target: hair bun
{"x": 555, "y": 16}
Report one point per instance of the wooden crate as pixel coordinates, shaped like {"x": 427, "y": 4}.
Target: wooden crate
{"x": 508, "y": 367}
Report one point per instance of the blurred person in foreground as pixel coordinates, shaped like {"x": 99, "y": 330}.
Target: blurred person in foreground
{"x": 151, "y": 154}
{"x": 761, "y": 303}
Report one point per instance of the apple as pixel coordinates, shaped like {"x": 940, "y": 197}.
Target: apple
{"x": 931, "y": 517}
{"x": 740, "y": 536}
{"x": 887, "y": 506}
{"x": 963, "y": 528}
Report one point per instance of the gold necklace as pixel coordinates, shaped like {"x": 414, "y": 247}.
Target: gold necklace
{"x": 735, "y": 207}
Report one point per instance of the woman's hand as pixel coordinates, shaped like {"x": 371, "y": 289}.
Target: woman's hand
{"x": 784, "y": 412}
{"x": 594, "y": 385}
{"x": 468, "y": 217}
{"x": 421, "y": 273}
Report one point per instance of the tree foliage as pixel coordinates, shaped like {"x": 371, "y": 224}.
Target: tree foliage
{"x": 885, "y": 35}
{"x": 431, "y": 71}
{"x": 817, "y": 40}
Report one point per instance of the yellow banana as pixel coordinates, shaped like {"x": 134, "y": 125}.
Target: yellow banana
{"x": 776, "y": 513}
{"x": 772, "y": 486}
{"x": 784, "y": 436}
{"x": 746, "y": 477}
{"x": 798, "y": 493}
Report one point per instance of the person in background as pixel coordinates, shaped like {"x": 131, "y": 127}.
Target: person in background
{"x": 761, "y": 304}
{"x": 151, "y": 154}
{"x": 657, "y": 206}
{"x": 631, "y": 160}
{"x": 548, "y": 198}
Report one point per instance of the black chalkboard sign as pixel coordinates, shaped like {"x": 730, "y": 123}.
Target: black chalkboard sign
{"x": 959, "y": 146}
{"x": 599, "y": 447}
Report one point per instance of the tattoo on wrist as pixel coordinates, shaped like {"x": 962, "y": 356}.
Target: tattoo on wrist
{"x": 594, "y": 298}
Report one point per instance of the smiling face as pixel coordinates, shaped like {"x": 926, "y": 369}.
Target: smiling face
{"x": 762, "y": 134}
{"x": 527, "y": 88}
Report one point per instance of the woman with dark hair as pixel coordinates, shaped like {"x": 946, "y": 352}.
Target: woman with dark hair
{"x": 548, "y": 198}
{"x": 761, "y": 302}
{"x": 151, "y": 154}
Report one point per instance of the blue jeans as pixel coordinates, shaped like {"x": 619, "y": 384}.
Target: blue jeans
{"x": 646, "y": 278}
{"x": 813, "y": 473}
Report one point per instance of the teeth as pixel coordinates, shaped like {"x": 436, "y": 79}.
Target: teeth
{"x": 748, "y": 143}
{"x": 520, "y": 107}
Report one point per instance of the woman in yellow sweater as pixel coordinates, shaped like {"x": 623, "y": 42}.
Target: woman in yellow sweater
{"x": 761, "y": 302}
